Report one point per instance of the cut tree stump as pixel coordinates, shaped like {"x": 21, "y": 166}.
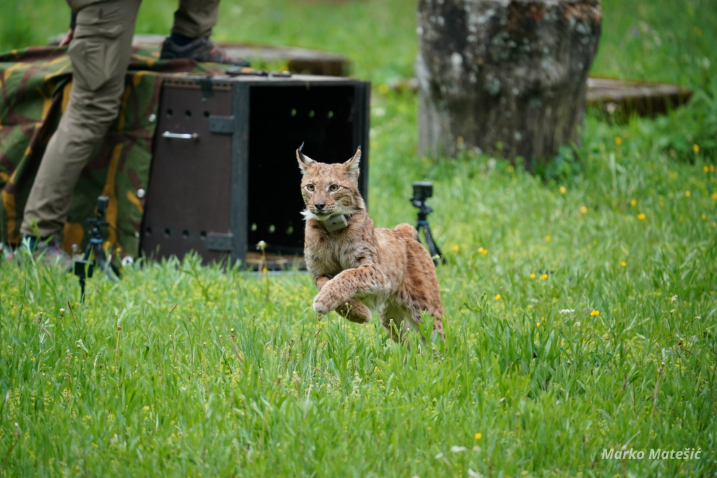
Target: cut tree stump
{"x": 298, "y": 60}
{"x": 504, "y": 75}
{"x": 622, "y": 98}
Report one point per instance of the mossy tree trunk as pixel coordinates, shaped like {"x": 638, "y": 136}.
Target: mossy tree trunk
{"x": 504, "y": 75}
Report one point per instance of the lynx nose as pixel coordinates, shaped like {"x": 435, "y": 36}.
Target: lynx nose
{"x": 319, "y": 205}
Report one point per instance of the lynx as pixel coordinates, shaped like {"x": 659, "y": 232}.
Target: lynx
{"x": 357, "y": 267}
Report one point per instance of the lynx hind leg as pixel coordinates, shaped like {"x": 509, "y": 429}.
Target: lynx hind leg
{"x": 354, "y": 311}
{"x": 396, "y": 321}
{"x": 420, "y": 291}
{"x": 407, "y": 231}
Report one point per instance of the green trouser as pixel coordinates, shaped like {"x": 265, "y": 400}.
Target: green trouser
{"x": 100, "y": 52}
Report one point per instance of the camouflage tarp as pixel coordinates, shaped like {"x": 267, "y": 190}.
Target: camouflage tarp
{"x": 35, "y": 88}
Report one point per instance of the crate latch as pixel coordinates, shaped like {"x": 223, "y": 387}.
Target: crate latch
{"x": 219, "y": 242}
{"x": 221, "y": 124}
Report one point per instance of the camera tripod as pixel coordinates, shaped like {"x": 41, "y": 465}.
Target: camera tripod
{"x": 94, "y": 254}
{"x": 419, "y": 201}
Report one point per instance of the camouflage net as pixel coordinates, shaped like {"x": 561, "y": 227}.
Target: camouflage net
{"x": 35, "y": 88}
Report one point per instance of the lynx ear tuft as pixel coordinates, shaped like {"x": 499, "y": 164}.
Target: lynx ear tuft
{"x": 305, "y": 162}
{"x": 352, "y": 165}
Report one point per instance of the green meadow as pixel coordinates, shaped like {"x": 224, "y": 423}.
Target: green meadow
{"x": 581, "y": 313}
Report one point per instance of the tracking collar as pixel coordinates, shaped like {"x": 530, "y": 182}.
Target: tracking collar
{"x": 336, "y": 223}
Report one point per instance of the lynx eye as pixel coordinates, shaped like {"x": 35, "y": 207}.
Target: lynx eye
{"x": 333, "y": 188}
{"x": 310, "y": 187}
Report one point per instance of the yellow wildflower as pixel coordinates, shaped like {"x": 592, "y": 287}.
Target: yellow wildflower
{"x": 714, "y": 196}
{"x": 633, "y": 202}
{"x": 641, "y": 216}
{"x": 455, "y": 248}
{"x": 532, "y": 276}
{"x": 497, "y": 297}
{"x": 563, "y": 189}
{"x": 537, "y": 324}
{"x": 548, "y": 238}
{"x": 544, "y": 276}
{"x": 478, "y": 436}
{"x": 706, "y": 169}
{"x": 511, "y": 169}
{"x": 623, "y": 264}
{"x": 696, "y": 148}
{"x": 618, "y": 140}
{"x": 704, "y": 217}
{"x": 595, "y": 312}
{"x": 688, "y": 194}
{"x": 583, "y": 210}
{"x": 383, "y": 88}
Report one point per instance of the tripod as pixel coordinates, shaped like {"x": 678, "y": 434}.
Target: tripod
{"x": 419, "y": 201}
{"x": 94, "y": 253}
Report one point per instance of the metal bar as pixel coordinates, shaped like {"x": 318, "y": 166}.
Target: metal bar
{"x": 170, "y": 135}
{"x": 219, "y": 242}
{"x": 240, "y": 172}
{"x": 221, "y": 124}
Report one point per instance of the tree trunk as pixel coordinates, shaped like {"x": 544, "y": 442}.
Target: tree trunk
{"x": 505, "y": 76}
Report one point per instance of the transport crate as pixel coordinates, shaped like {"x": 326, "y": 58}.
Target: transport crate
{"x": 224, "y": 174}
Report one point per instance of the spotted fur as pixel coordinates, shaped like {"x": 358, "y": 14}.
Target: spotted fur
{"x": 362, "y": 268}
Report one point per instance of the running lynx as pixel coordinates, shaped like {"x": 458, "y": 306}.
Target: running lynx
{"x": 357, "y": 267}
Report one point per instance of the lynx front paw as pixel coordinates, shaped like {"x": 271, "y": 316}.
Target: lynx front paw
{"x": 321, "y": 307}
{"x": 326, "y": 301}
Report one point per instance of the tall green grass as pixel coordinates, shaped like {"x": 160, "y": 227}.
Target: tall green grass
{"x": 581, "y": 307}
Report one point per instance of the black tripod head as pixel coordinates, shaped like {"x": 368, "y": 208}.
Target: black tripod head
{"x": 99, "y": 220}
{"x": 422, "y": 190}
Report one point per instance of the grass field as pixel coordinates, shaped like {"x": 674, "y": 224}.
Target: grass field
{"x": 581, "y": 307}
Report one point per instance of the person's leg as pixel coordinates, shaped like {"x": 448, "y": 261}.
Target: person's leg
{"x": 100, "y": 52}
{"x": 195, "y": 18}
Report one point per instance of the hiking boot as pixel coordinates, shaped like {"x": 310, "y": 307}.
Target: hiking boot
{"x": 48, "y": 252}
{"x": 6, "y": 252}
{"x": 53, "y": 253}
{"x": 201, "y": 50}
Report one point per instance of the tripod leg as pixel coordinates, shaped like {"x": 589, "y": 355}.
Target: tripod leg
{"x": 432, "y": 246}
{"x": 106, "y": 266}
{"x": 115, "y": 269}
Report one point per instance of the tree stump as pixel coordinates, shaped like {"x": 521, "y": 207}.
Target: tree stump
{"x": 505, "y": 76}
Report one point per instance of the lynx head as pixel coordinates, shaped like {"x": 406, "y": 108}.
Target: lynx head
{"x": 330, "y": 189}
